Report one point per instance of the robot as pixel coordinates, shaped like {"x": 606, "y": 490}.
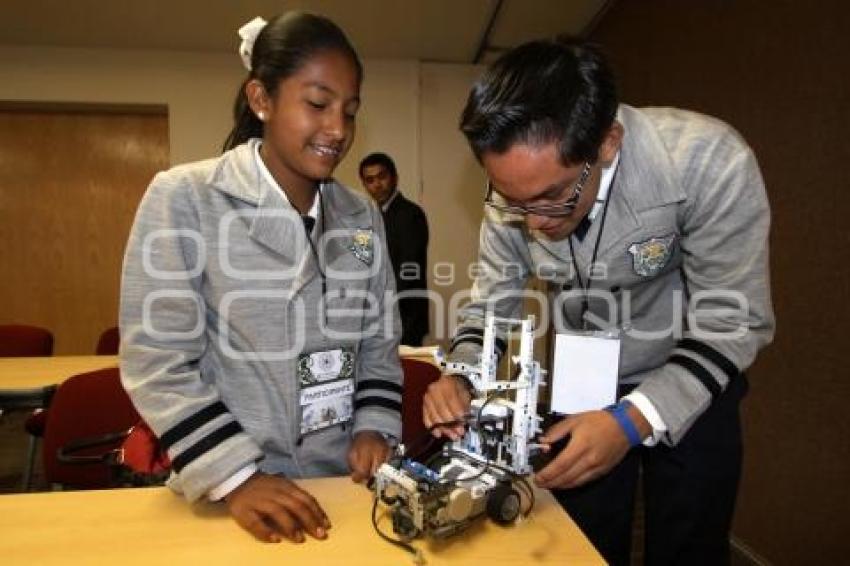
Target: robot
{"x": 484, "y": 472}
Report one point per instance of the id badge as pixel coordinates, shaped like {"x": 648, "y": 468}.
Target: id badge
{"x": 327, "y": 388}
{"x": 585, "y": 373}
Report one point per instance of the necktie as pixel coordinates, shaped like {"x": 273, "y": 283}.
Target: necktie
{"x": 309, "y": 222}
{"x": 581, "y": 230}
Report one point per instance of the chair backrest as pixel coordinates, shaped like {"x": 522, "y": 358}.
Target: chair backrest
{"x": 18, "y": 340}
{"x": 86, "y": 405}
{"x": 418, "y": 375}
{"x": 108, "y": 343}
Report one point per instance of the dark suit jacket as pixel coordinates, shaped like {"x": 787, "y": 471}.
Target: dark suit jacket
{"x": 407, "y": 239}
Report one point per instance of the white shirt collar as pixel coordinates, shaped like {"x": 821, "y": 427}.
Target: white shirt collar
{"x": 264, "y": 171}
{"x": 386, "y": 205}
{"x": 604, "y": 187}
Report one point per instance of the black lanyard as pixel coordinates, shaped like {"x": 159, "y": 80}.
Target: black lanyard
{"x": 586, "y": 289}
{"x": 315, "y": 252}
{"x": 309, "y": 222}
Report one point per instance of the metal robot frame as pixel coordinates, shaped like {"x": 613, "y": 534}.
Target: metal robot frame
{"x": 483, "y": 472}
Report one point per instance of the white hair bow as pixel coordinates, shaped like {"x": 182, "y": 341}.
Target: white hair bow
{"x": 249, "y": 33}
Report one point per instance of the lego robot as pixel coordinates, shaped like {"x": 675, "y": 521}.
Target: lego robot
{"x": 484, "y": 472}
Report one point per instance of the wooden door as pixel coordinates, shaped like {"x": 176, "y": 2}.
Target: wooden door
{"x": 70, "y": 182}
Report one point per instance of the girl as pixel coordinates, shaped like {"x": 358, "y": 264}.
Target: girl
{"x": 256, "y": 342}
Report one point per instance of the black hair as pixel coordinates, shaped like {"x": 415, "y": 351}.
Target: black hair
{"x": 282, "y": 47}
{"x": 378, "y": 158}
{"x": 559, "y": 90}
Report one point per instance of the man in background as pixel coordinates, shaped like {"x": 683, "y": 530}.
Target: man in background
{"x": 407, "y": 240}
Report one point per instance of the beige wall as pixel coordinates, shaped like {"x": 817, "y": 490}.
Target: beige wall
{"x": 453, "y": 183}
{"x": 410, "y": 110}
{"x": 388, "y": 121}
{"x": 198, "y": 88}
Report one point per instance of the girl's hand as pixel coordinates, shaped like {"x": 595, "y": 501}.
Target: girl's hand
{"x": 368, "y": 451}
{"x": 270, "y": 507}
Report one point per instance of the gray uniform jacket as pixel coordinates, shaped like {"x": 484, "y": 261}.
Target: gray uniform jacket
{"x": 682, "y": 265}
{"x": 221, "y": 293}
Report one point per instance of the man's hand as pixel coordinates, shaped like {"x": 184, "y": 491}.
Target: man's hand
{"x": 597, "y": 444}
{"x": 270, "y": 507}
{"x": 368, "y": 451}
{"x": 446, "y": 401}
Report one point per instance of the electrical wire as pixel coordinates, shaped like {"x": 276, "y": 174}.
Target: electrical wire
{"x": 516, "y": 479}
{"x": 487, "y": 462}
{"x": 426, "y": 439}
{"x": 404, "y": 545}
{"x": 422, "y": 443}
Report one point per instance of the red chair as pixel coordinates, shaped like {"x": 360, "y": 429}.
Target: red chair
{"x": 87, "y": 405}
{"x": 418, "y": 375}
{"x": 18, "y": 341}
{"x": 108, "y": 343}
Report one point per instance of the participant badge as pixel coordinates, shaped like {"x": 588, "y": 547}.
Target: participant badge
{"x": 326, "y": 380}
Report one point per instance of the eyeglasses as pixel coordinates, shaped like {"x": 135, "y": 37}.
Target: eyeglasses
{"x": 552, "y": 210}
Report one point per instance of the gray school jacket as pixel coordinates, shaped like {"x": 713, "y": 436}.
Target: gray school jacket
{"x": 681, "y": 271}
{"x": 221, "y": 293}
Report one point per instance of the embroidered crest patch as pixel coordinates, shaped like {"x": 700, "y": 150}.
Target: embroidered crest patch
{"x": 649, "y": 257}
{"x": 362, "y": 245}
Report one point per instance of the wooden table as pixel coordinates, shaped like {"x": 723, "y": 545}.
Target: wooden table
{"x": 30, "y": 373}
{"x": 154, "y": 526}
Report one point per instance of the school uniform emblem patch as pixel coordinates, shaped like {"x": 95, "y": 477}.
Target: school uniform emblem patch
{"x": 650, "y": 257}
{"x": 362, "y": 245}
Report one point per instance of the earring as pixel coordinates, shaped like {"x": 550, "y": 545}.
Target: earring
{"x": 261, "y": 116}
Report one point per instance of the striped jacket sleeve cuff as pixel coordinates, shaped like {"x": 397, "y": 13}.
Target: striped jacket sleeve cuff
{"x": 712, "y": 368}
{"x": 206, "y": 448}
{"x": 378, "y": 393}
{"x": 474, "y": 335}
{"x": 695, "y": 374}
{"x": 197, "y": 434}
{"x": 377, "y": 406}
